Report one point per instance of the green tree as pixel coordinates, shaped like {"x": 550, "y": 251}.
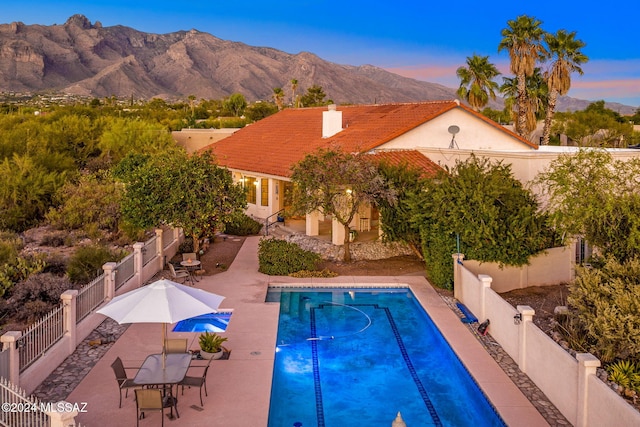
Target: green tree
{"x": 26, "y": 192}
{"x": 294, "y": 86}
{"x": 396, "y": 222}
{"x": 593, "y": 196}
{"x": 124, "y": 136}
{"x": 92, "y": 203}
{"x": 337, "y": 183}
{"x": 476, "y": 81}
{"x": 259, "y": 110}
{"x": 314, "y": 97}
{"x": 481, "y": 205}
{"x": 595, "y": 126}
{"x": 235, "y": 104}
{"x": 566, "y": 58}
{"x": 190, "y": 192}
{"x": 278, "y": 97}
{"x": 523, "y": 40}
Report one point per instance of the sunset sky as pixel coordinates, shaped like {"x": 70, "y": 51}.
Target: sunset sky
{"x": 424, "y": 40}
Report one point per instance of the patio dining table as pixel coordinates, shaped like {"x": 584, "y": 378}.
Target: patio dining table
{"x": 192, "y": 266}
{"x": 154, "y": 372}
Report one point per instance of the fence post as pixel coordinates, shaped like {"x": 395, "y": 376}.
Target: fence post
{"x": 587, "y": 366}
{"x": 525, "y": 315}
{"x": 457, "y": 282}
{"x": 69, "y": 315}
{"x": 485, "y": 283}
{"x": 62, "y": 418}
{"x": 160, "y": 248}
{"x": 8, "y": 340}
{"x": 109, "y": 269}
{"x": 138, "y": 262}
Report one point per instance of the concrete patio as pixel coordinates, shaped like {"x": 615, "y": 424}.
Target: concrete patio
{"x": 239, "y": 388}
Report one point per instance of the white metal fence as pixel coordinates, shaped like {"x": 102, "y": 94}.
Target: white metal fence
{"x": 89, "y": 298}
{"x": 40, "y": 337}
{"x": 20, "y": 410}
{"x": 125, "y": 270}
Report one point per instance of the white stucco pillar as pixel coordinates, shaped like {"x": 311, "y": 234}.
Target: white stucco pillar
{"x": 69, "y": 299}
{"x": 9, "y": 340}
{"x": 485, "y": 282}
{"x": 526, "y": 316}
{"x": 63, "y": 414}
{"x": 138, "y": 262}
{"x": 312, "y": 225}
{"x": 337, "y": 232}
{"x": 587, "y": 366}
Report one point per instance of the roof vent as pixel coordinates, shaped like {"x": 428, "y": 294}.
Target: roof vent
{"x": 331, "y": 121}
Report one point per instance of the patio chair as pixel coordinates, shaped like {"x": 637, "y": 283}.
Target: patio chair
{"x": 175, "y": 345}
{"x": 124, "y": 382}
{"x": 179, "y": 274}
{"x": 200, "y": 381}
{"x": 189, "y": 256}
{"x": 149, "y": 399}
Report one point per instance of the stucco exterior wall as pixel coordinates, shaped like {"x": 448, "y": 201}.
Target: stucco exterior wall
{"x": 474, "y": 134}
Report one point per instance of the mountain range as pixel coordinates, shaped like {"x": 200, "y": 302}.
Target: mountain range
{"x": 81, "y": 58}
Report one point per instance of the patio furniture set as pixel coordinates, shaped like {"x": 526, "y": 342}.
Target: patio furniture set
{"x": 155, "y": 379}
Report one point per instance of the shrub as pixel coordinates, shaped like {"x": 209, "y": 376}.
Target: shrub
{"x": 86, "y": 264}
{"x": 18, "y": 269}
{"x": 37, "y": 295}
{"x": 55, "y": 239}
{"x": 186, "y": 245}
{"x": 242, "y": 225}
{"x": 626, "y": 374}
{"x": 315, "y": 273}
{"x": 280, "y": 258}
{"x": 606, "y": 301}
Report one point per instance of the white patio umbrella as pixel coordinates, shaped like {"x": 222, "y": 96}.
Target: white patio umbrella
{"x": 163, "y": 302}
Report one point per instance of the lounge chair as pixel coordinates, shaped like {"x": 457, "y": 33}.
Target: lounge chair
{"x": 175, "y": 345}
{"x": 179, "y": 273}
{"x": 149, "y": 399}
{"x": 197, "y": 381}
{"x": 124, "y": 382}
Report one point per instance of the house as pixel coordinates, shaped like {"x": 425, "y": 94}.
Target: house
{"x": 261, "y": 155}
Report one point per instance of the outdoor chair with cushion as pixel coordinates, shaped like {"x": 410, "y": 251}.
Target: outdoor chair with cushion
{"x": 149, "y": 399}
{"x": 178, "y": 274}
{"x": 175, "y": 345}
{"x": 124, "y": 382}
{"x": 197, "y": 381}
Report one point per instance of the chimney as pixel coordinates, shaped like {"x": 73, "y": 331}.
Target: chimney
{"x": 331, "y": 121}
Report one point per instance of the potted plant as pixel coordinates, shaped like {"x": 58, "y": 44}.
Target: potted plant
{"x": 211, "y": 345}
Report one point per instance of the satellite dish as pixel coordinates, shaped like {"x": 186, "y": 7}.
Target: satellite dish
{"x": 453, "y": 129}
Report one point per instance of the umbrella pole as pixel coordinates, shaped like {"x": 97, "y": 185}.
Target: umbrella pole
{"x": 164, "y": 344}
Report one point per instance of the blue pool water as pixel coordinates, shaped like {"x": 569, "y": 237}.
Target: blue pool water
{"x": 347, "y": 358}
{"x": 212, "y": 322}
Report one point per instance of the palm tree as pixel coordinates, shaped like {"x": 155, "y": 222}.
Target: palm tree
{"x": 523, "y": 39}
{"x": 278, "y": 96}
{"x": 566, "y": 58}
{"x": 294, "y": 86}
{"x": 537, "y": 96}
{"x": 476, "y": 81}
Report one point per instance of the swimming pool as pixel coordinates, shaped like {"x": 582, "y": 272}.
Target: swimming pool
{"x": 357, "y": 357}
{"x": 212, "y": 322}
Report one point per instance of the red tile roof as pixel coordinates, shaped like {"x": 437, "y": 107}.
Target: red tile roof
{"x": 412, "y": 158}
{"x": 274, "y": 144}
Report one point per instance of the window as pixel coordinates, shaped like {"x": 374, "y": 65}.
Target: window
{"x": 250, "y": 184}
{"x": 264, "y": 192}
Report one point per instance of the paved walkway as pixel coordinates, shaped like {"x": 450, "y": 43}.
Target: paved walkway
{"x": 76, "y": 380}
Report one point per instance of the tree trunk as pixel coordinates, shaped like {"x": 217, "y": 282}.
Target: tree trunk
{"x": 551, "y": 107}
{"x": 347, "y": 251}
{"x": 196, "y": 244}
{"x": 521, "y": 125}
